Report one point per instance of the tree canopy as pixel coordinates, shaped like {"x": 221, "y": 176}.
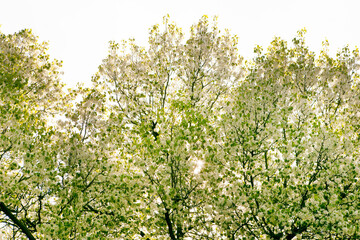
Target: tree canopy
{"x": 181, "y": 139}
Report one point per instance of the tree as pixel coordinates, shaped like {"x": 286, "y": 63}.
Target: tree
{"x": 181, "y": 140}
{"x": 168, "y": 99}
{"x": 29, "y": 91}
{"x": 51, "y": 158}
{"x": 290, "y": 154}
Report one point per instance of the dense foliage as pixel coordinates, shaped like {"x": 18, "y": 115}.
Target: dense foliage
{"x": 181, "y": 140}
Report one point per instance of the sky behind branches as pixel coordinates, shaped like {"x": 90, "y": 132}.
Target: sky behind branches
{"x": 78, "y": 31}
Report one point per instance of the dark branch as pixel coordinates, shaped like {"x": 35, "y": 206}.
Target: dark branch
{"x": 169, "y": 224}
{"x": 16, "y": 221}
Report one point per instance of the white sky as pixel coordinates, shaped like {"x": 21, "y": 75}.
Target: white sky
{"x": 79, "y": 30}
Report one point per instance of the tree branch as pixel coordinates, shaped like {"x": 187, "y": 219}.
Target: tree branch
{"x": 169, "y": 223}
{"x": 16, "y": 221}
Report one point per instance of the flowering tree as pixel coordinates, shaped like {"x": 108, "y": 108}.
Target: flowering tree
{"x": 290, "y": 152}
{"x": 168, "y": 99}
{"x": 29, "y": 95}
{"x": 181, "y": 140}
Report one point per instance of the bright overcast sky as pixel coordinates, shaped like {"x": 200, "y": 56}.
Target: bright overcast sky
{"x": 79, "y": 30}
